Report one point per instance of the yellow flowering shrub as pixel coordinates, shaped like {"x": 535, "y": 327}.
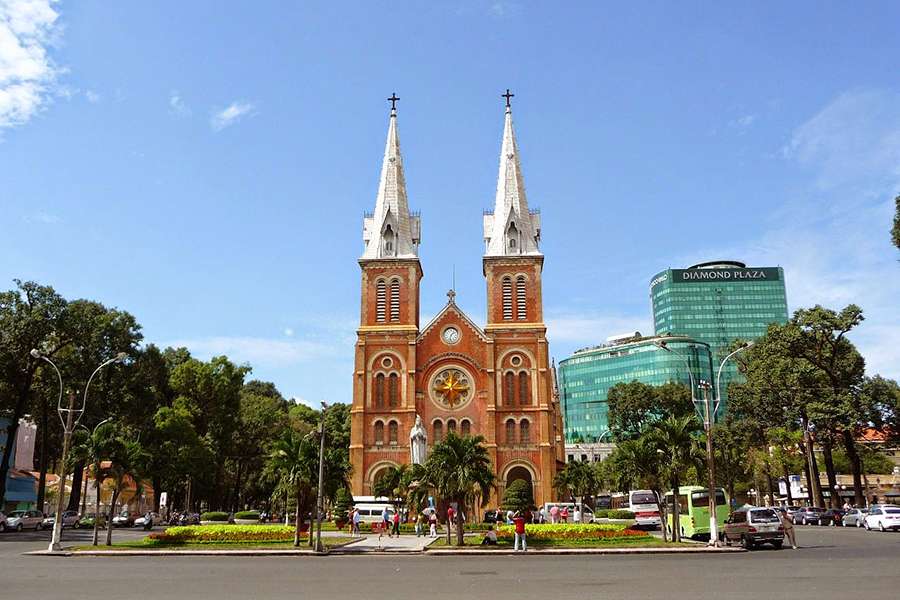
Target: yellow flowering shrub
{"x": 562, "y": 531}
{"x": 225, "y": 533}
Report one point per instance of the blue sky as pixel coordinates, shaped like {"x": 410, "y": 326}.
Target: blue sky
{"x": 206, "y": 165}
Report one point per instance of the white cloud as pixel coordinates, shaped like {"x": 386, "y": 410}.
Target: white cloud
{"x": 27, "y": 73}
{"x": 503, "y": 8}
{"x": 92, "y": 96}
{"x": 259, "y": 351}
{"x": 43, "y": 218}
{"x": 234, "y": 112}
{"x": 742, "y": 123}
{"x": 832, "y": 239}
{"x": 288, "y": 332}
{"x": 177, "y": 105}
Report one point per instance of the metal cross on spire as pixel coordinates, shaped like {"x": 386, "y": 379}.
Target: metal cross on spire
{"x": 507, "y": 95}
{"x": 393, "y": 100}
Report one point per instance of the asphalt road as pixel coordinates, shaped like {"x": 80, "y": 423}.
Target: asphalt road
{"x": 833, "y": 562}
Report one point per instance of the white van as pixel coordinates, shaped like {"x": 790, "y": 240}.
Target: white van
{"x": 370, "y": 512}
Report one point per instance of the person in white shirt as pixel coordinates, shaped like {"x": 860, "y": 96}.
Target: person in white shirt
{"x": 577, "y": 516}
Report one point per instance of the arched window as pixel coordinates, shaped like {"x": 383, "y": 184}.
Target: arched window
{"x": 388, "y": 241}
{"x": 512, "y": 234}
{"x": 393, "y": 390}
{"x": 524, "y": 432}
{"x": 524, "y": 397}
{"x": 509, "y": 389}
{"x": 451, "y": 426}
{"x": 507, "y": 298}
{"x": 392, "y": 433}
{"x": 438, "y": 431}
{"x": 465, "y": 427}
{"x": 379, "y": 432}
{"x": 521, "y": 306}
{"x": 380, "y": 292}
{"x": 379, "y": 390}
{"x": 395, "y": 300}
{"x": 510, "y": 432}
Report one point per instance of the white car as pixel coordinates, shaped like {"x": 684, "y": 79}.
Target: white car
{"x": 68, "y": 519}
{"x": 855, "y": 517}
{"x": 142, "y": 520}
{"x": 25, "y": 519}
{"x": 883, "y": 518}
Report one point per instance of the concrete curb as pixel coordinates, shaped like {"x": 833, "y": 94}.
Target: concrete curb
{"x": 67, "y": 553}
{"x": 564, "y": 551}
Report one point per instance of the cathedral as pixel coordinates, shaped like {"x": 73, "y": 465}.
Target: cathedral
{"x": 456, "y": 376}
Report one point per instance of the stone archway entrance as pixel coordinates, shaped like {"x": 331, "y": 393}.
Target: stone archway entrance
{"x": 520, "y": 473}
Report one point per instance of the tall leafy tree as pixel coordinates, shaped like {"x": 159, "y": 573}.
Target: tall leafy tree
{"x": 895, "y": 230}
{"x": 634, "y": 406}
{"x": 578, "y": 479}
{"x": 459, "y": 470}
{"x": 674, "y": 437}
{"x": 518, "y": 497}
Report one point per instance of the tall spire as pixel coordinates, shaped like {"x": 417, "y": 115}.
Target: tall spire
{"x": 391, "y": 231}
{"x": 512, "y": 229}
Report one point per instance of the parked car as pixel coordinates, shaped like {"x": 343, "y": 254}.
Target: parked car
{"x": 833, "y": 516}
{"x": 69, "y": 519}
{"x": 2, "y": 522}
{"x": 87, "y": 522}
{"x": 791, "y": 511}
{"x": 883, "y": 519}
{"x": 855, "y": 517}
{"x": 751, "y": 526}
{"x": 25, "y": 519}
{"x": 810, "y": 514}
{"x": 142, "y": 520}
{"x": 124, "y": 519}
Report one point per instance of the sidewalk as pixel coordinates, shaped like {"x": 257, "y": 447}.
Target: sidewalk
{"x": 371, "y": 543}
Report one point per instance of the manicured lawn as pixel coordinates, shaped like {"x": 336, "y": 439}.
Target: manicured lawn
{"x": 149, "y": 544}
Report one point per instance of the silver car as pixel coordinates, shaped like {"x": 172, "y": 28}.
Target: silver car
{"x": 25, "y": 519}
{"x": 752, "y": 526}
{"x": 855, "y": 517}
{"x": 68, "y": 519}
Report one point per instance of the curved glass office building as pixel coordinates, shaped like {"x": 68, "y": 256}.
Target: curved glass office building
{"x": 718, "y": 303}
{"x": 586, "y": 377}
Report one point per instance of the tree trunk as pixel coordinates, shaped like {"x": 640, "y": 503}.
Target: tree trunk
{"x": 42, "y": 480}
{"x": 855, "y": 467}
{"x": 770, "y": 484}
{"x": 814, "y": 486}
{"x": 676, "y": 510}
{"x": 787, "y": 484}
{"x": 236, "y": 500}
{"x": 829, "y": 470}
{"x": 663, "y": 517}
{"x": 460, "y": 530}
{"x": 75, "y": 496}
{"x": 97, "y": 505}
{"x": 298, "y": 518}
{"x": 448, "y": 528}
{"x": 156, "y": 482}
{"x": 112, "y": 513}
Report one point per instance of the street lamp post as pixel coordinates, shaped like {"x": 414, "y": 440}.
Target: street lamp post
{"x": 319, "y": 495}
{"x": 70, "y": 415}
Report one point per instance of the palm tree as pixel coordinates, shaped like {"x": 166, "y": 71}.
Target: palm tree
{"x": 636, "y": 464}
{"x": 390, "y": 484}
{"x": 294, "y": 458}
{"x": 127, "y": 460}
{"x": 679, "y": 449}
{"x": 459, "y": 470}
{"x": 577, "y": 478}
{"x": 93, "y": 447}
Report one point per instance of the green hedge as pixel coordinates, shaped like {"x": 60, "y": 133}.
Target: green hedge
{"x": 247, "y": 514}
{"x": 613, "y": 514}
{"x": 214, "y": 516}
{"x": 224, "y": 533}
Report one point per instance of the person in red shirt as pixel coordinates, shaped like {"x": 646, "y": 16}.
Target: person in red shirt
{"x": 519, "y": 523}
{"x": 451, "y": 514}
{"x": 396, "y": 523}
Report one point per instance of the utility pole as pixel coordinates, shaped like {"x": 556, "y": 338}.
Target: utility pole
{"x": 320, "y": 496}
{"x": 67, "y": 441}
{"x": 710, "y": 462}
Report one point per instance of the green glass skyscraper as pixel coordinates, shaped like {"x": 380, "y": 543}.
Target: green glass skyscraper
{"x": 718, "y": 303}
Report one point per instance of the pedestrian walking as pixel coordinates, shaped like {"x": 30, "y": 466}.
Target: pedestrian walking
{"x": 554, "y": 514}
{"x": 420, "y": 525}
{"x": 396, "y": 524}
{"x": 432, "y": 524}
{"x": 565, "y": 514}
{"x": 788, "y": 527}
{"x": 519, "y": 523}
{"x": 386, "y": 521}
{"x": 450, "y": 516}
{"x": 577, "y": 516}
{"x": 356, "y": 519}
{"x": 542, "y": 514}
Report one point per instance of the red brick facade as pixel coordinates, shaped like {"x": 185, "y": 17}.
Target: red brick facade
{"x": 505, "y": 369}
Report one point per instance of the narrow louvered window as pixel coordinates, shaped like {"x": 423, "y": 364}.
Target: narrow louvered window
{"x": 451, "y": 426}
{"x": 438, "y": 431}
{"x": 509, "y": 389}
{"x": 524, "y": 397}
{"x": 379, "y": 432}
{"x": 393, "y": 390}
{"x": 379, "y": 390}
{"x": 507, "y": 299}
{"x": 511, "y": 432}
{"x": 524, "y": 432}
{"x": 395, "y": 300}
{"x": 521, "y": 312}
{"x": 380, "y": 300}
{"x": 465, "y": 428}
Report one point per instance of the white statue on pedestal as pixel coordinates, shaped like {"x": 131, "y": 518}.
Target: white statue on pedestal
{"x": 418, "y": 442}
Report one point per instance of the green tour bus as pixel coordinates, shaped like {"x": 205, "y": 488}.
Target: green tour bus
{"x": 693, "y": 509}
